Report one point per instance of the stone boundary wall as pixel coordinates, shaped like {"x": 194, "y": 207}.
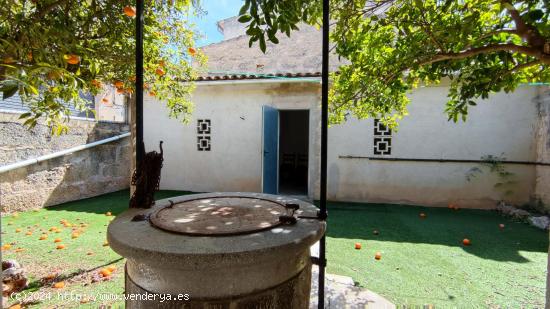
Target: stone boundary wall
{"x": 542, "y": 137}
{"x": 87, "y": 173}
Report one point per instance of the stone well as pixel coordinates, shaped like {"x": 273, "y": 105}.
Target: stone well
{"x": 218, "y": 250}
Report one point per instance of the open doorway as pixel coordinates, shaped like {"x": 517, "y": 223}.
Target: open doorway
{"x": 293, "y": 151}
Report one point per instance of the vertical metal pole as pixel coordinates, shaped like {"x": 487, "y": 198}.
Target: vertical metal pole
{"x": 324, "y": 138}
{"x": 139, "y": 85}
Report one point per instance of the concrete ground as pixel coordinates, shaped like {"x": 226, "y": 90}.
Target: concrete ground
{"x": 341, "y": 292}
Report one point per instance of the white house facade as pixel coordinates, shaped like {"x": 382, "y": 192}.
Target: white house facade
{"x": 256, "y": 127}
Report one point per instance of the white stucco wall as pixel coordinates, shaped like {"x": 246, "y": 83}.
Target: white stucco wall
{"x": 505, "y": 124}
{"x": 235, "y": 161}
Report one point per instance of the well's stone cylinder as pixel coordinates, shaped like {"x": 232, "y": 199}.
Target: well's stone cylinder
{"x": 268, "y": 268}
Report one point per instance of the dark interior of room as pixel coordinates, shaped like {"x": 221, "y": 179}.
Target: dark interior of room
{"x": 293, "y": 151}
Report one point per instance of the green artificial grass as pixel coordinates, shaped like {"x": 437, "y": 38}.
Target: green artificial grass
{"x": 72, "y": 264}
{"x": 423, "y": 260}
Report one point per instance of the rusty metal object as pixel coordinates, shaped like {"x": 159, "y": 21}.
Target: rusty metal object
{"x": 221, "y": 216}
{"x": 13, "y": 278}
{"x": 147, "y": 179}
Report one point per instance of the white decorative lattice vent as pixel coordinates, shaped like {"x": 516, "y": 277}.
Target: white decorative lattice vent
{"x": 382, "y": 138}
{"x": 204, "y": 129}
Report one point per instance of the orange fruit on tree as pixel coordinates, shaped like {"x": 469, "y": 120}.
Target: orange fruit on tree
{"x": 119, "y": 84}
{"x": 466, "y": 242}
{"x": 75, "y": 235}
{"x": 105, "y": 244}
{"x": 57, "y": 240}
{"x": 29, "y": 233}
{"x": 152, "y": 93}
{"x": 192, "y": 51}
{"x": 60, "y": 246}
{"x": 377, "y": 256}
{"x": 59, "y": 285}
{"x": 357, "y": 246}
{"x": 162, "y": 63}
{"x": 17, "y": 230}
{"x": 130, "y": 11}
{"x": 160, "y": 72}
{"x": 96, "y": 83}
{"x": 43, "y": 237}
{"x": 72, "y": 59}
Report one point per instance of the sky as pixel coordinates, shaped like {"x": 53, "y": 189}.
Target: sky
{"x": 215, "y": 10}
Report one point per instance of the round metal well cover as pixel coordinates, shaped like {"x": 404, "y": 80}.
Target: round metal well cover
{"x": 219, "y": 216}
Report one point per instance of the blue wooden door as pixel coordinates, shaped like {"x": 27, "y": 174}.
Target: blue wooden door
{"x": 270, "y": 162}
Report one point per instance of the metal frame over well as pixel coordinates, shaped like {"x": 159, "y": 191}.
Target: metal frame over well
{"x": 322, "y": 215}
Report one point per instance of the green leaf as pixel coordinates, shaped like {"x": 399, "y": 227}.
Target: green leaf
{"x": 244, "y": 19}
{"x": 273, "y": 39}
{"x": 245, "y": 7}
{"x": 9, "y": 92}
{"x": 263, "y": 47}
{"x": 535, "y": 15}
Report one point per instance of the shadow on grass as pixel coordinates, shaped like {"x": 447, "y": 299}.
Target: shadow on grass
{"x": 37, "y": 284}
{"x": 395, "y": 223}
{"x": 442, "y": 226}
{"x": 115, "y": 202}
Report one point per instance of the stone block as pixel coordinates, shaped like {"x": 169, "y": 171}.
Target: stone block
{"x": 542, "y": 222}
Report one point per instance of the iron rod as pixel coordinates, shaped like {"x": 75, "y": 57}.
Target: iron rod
{"x": 10, "y": 167}
{"x": 139, "y": 84}
{"x": 445, "y": 160}
{"x": 324, "y": 138}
